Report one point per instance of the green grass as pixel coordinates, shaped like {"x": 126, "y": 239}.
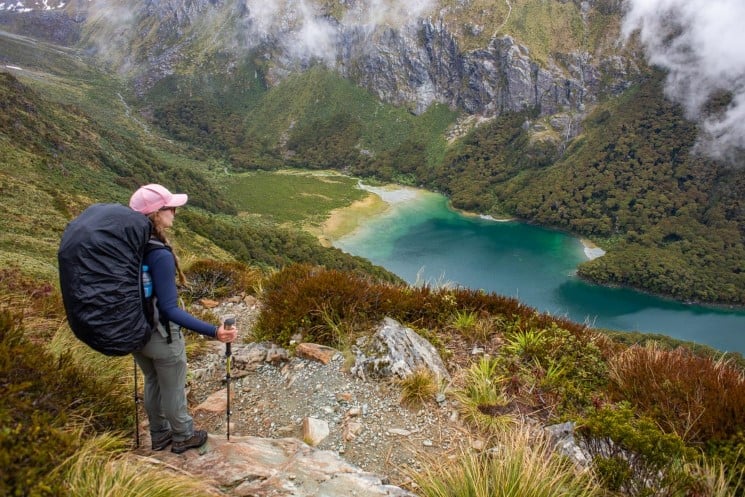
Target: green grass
{"x": 545, "y": 27}
{"x": 292, "y": 196}
{"x": 522, "y": 463}
{"x": 319, "y": 96}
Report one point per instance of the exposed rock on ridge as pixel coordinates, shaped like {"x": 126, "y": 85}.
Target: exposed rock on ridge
{"x": 423, "y": 64}
{"x": 253, "y": 466}
{"x": 414, "y": 65}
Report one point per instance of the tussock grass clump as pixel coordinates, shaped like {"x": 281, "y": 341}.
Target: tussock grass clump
{"x": 102, "y": 469}
{"x": 40, "y": 301}
{"x": 49, "y": 403}
{"x": 699, "y": 398}
{"x": 520, "y": 463}
{"x": 473, "y": 327}
{"x": 483, "y": 402}
{"x": 418, "y": 387}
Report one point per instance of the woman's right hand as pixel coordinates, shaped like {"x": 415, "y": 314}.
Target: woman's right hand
{"x": 226, "y": 335}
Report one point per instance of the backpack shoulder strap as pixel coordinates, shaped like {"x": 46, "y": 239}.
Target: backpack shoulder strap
{"x": 155, "y": 244}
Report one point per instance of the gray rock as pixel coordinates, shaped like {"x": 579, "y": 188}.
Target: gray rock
{"x": 396, "y": 350}
{"x": 562, "y": 438}
{"x": 253, "y": 466}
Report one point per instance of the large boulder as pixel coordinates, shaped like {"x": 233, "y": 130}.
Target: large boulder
{"x": 396, "y": 350}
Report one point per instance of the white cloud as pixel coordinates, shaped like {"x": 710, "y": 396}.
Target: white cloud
{"x": 308, "y": 33}
{"x": 700, "y": 43}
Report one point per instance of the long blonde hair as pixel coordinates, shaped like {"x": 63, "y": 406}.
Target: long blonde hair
{"x": 159, "y": 232}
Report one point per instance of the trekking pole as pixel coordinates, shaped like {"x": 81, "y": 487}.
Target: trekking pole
{"x": 229, "y": 323}
{"x": 137, "y": 414}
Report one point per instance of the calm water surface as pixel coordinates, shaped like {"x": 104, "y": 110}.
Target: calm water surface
{"x": 422, "y": 240}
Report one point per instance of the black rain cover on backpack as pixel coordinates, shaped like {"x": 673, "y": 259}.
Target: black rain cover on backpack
{"x": 99, "y": 257}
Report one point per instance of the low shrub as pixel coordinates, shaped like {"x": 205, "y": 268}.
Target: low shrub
{"x": 552, "y": 371}
{"x": 297, "y": 298}
{"x": 631, "y": 454}
{"x": 698, "y": 397}
{"x": 218, "y": 279}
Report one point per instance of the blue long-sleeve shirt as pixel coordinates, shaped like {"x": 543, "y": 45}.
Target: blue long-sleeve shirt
{"x": 163, "y": 271}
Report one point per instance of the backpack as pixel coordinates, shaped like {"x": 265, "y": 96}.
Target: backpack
{"x": 100, "y": 258}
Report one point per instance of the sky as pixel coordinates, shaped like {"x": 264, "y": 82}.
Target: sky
{"x": 701, "y": 43}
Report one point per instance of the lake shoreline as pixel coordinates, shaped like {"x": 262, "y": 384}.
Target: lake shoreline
{"x": 345, "y": 221}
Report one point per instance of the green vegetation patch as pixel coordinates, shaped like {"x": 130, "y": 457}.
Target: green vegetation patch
{"x": 292, "y": 196}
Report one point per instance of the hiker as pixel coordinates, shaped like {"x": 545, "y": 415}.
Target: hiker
{"x": 163, "y": 358}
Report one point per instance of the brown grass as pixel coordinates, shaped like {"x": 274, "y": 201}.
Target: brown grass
{"x": 699, "y": 398}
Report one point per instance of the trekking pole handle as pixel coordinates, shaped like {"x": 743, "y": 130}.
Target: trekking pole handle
{"x": 228, "y": 323}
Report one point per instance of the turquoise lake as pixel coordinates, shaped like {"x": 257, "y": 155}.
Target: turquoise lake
{"x": 424, "y": 241}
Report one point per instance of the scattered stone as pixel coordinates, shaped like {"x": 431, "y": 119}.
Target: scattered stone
{"x": 250, "y": 301}
{"x": 351, "y": 430}
{"x": 314, "y": 430}
{"x": 249, "y": 356}
{"x": 276, "y": 355}
{"x": 216, "y": 403}
{"x": 316, "y": 352}
{"x": 344, "y": 397}
{"x": 427, "y": 443}
{"x": 399, "y": 431}
{"x": 208, "y": 303}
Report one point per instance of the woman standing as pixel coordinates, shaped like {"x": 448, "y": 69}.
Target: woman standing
{"x": 163, "y": 359}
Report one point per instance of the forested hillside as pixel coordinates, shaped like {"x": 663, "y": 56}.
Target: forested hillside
{"x": 57, "y": 160}
{"x": 673, "y": 221}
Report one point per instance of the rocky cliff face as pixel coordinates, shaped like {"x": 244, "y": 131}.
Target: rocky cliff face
{"x": 413, "y": 63}
{"x": 422, "y": 64}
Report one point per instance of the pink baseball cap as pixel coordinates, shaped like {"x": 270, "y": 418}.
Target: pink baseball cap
{"x": 150, "y": 198}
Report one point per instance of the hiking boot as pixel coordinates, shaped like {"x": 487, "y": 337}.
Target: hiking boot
{"x": 160, "y": 442}
{"x": 196, "y": 440}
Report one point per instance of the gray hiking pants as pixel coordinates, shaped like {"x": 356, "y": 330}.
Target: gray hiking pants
{"x": 164, "y": 367}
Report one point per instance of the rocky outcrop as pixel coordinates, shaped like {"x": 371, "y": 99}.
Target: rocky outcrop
{"x": 286, "y": 467}
{"x": 422, "y": 64}
{"x": 396, "y": 350}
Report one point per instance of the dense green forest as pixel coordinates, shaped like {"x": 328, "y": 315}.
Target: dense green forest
{"x": 673, "y": 221}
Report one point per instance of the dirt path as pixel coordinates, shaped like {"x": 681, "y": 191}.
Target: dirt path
{"x": 368, "y": 426}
